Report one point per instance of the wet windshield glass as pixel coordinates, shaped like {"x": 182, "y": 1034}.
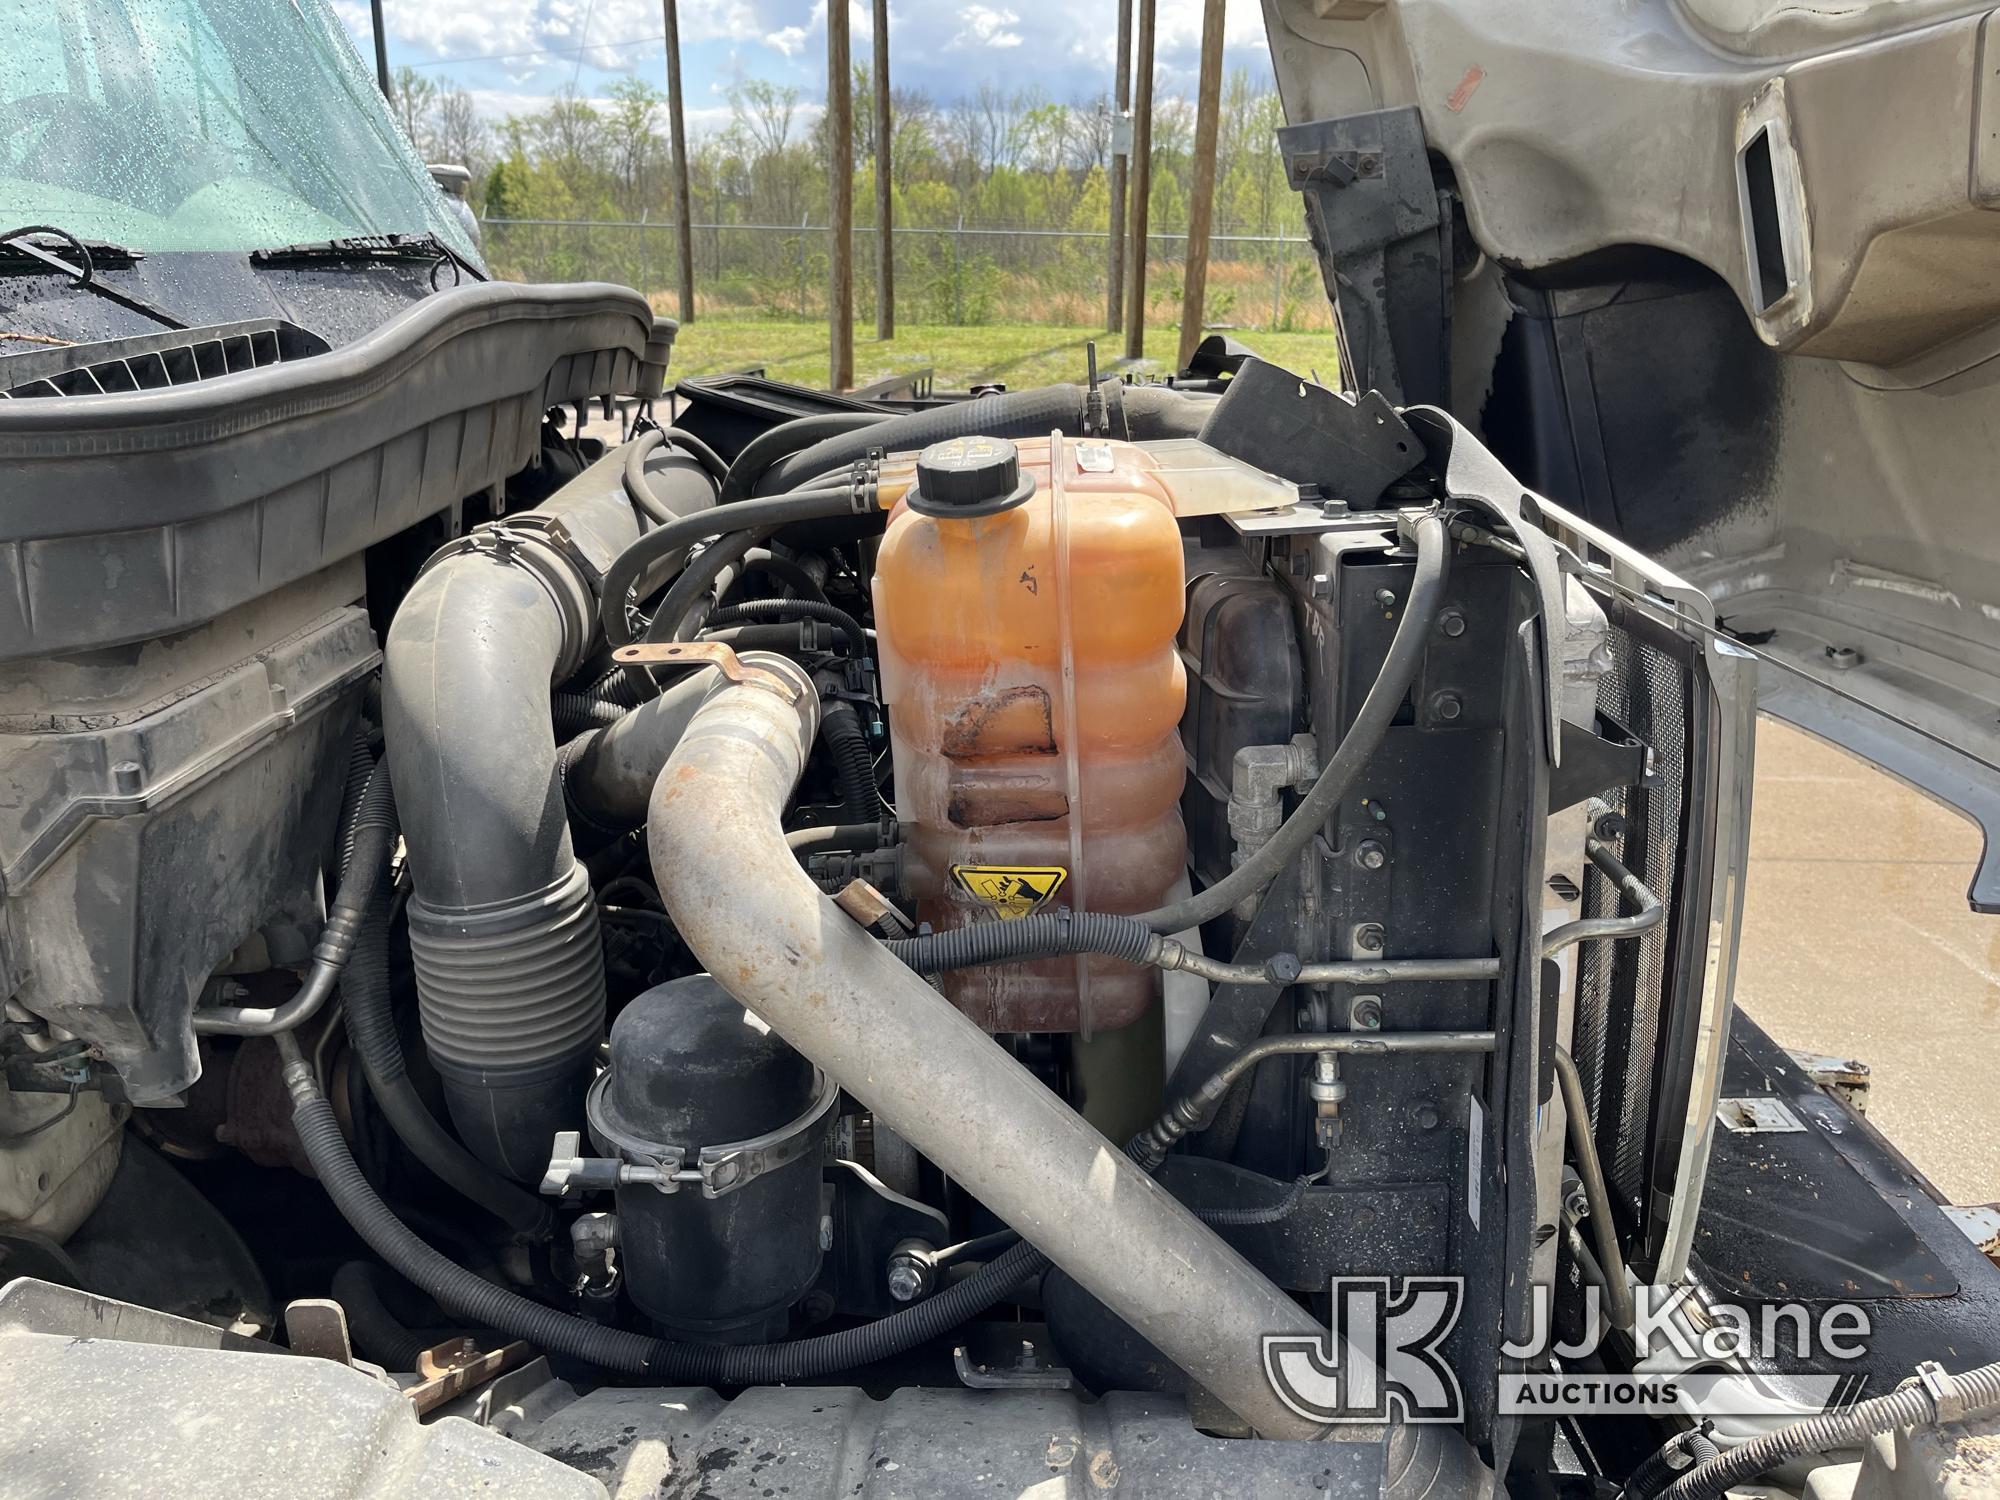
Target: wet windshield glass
{"x": 200, "y": 125}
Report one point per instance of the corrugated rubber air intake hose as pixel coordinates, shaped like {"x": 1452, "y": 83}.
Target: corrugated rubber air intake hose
{"x": 503, "y": 926}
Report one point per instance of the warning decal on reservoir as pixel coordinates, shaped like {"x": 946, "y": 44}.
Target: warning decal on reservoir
{"x": 1010, "y": 890}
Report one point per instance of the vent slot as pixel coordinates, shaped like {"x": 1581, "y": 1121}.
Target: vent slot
{"x": 1763, "y": 231}
{"x": 156, "y": 361}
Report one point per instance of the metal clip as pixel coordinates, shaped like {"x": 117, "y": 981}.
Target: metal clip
{"x": 1943, "y": 1390}
{"x": 705, "y": 654}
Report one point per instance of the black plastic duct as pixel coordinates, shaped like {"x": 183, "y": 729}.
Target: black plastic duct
{"x": 1135, "y": 412}
{"x": 503, "y": 925}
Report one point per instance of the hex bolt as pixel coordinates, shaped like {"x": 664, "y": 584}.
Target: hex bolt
{"x": 1369, "y": 937}
{"x": 1446, "y": 706}
{"x": 911, "y": 1274}
{"x": 1321, "y": 586}
{"x": 125, "y": 777}
{"x": 1843, "y": 657}
{"x": 1370, "y": 855}
{"x": 1452, "y": 623}
{"x": 1386, "y": 598}
{"x": 1364, "y": 1013}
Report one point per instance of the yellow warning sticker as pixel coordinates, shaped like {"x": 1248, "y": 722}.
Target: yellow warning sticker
{"x": 1010, "y": 890}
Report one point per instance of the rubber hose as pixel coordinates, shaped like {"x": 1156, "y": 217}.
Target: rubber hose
{"x": 360, "y": 766}
{"x": 1008, "y": 414}
{"x": 574, "y": 713}
{"x": 786, "y": 639}
{"x": 787, "y": 438}
{"x": 1673, "y": 1458}
{"x": 1908, "y": 1406}
{"x": 377, "y": 1332}
{"x": 640, "y": 489}
{"x": 847, "y": 744}
{"x": 831, "y": 836}
{"x": 371, "y": 1031}
{"x": 796, "y": 609}
{"x": 1048, "y": 934}
{"x": 631, "y": 565}
{"x": 1230, "y": 1218}
{"x": 704, "y": 455}
{"x": 793, "y": 575}
{"x": 465, "y": 1295}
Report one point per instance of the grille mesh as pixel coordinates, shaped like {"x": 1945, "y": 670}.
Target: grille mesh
{"x": 1621, "y": 990}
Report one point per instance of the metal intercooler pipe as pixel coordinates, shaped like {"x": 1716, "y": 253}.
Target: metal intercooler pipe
{"x": 503, "y": 925}
{"x": 765, "y": 931}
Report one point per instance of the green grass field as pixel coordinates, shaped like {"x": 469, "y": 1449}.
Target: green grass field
{"x": 1019, "y": 354}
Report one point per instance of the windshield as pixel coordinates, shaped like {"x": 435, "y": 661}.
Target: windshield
{"x": 201, "y": 125}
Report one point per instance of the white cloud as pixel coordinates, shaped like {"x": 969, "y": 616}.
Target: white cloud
{"x": 790, "y": 40}
{"x": 984, "y": 26}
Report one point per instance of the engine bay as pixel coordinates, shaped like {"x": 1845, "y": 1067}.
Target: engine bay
{"x": 987, "y": 915}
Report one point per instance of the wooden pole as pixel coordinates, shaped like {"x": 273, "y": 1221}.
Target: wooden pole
{"x": 885, "y": 229}
{"x": 1201, "y": 212}
{"x": 677, "y": 128}
{"x": 1142, "y": 185}
{"x": 1114, "y": 301}
{"x": 840, "y": 200}
{"x": 381, "y": 48}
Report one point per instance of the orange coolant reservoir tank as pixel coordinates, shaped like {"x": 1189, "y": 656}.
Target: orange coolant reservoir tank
{"x": 1027, "y": 599}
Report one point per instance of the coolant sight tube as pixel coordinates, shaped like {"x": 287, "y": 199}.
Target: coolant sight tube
{"x": 768, "y": 934}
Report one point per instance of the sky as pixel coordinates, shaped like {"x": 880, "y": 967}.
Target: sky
{"x": 512, "y": 55}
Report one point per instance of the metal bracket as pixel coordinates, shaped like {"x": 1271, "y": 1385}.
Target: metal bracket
{"x": 1757, "y": 1116}
{"x": 705, "y": 654}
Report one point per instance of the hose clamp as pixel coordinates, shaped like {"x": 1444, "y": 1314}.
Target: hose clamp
{"x": 1943, "y": 1389}
{"x": 717, "y": 1170}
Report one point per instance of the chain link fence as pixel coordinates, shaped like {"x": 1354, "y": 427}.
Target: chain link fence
{"x": 961, "y": 275}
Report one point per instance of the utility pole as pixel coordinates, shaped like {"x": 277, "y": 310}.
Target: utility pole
{"x": 1114, "y": 300}
{"x": 840, "y": 199}
{"x": 677, "y": 128}
{"x": 885, "y": 207}
{"x": 1201, "y": 212}
{"x": 381, "y": 48}
{"x": 1142, "y": 184}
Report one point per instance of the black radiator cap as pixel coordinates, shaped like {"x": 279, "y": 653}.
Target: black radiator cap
{"x": 969, "y": 476}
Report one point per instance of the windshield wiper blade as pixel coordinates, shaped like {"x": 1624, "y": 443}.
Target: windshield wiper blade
{"x": 362, "y": 248}
{"x": 83, "y": 271}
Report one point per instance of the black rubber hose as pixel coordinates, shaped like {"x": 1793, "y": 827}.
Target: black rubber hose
{"x": 796, "y": 609}
{"x": 376, "y": 1331}
{"x": 847, "y": 745}
{"x": 639, "y": 488}
{"x": 1910, "y": 1405}
{"x": 631, "y": 565}
{"x": 360, "y": 767}
{"x": 787, "y": 438}
{"x": 1136, "y": 412}
{"x": 789, "y": 573}
{"x": 371, "y": 1031}
{"x": 1048, "y": 934}
{"x": 465, "y": 1295}
{"x": 789, "y": 640}
{"x": 575, "y": 713}
{"x": 706, "y": 456}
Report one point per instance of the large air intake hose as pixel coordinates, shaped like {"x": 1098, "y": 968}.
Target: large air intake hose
{"x": 503, "y": 925}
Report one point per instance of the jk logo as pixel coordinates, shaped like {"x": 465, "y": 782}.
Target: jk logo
{"x": 1380, "y": 1360}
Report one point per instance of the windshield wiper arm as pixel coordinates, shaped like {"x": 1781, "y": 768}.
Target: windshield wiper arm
{"x": 360, "y": 249}
{"x": 84, "y": 275}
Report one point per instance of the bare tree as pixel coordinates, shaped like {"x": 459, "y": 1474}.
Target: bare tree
{"x": 462, "y": 136}
{"x": 415, "y": 100}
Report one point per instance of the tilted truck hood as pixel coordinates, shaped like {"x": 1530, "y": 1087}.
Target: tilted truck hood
{"x": 1657, "y": 259}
